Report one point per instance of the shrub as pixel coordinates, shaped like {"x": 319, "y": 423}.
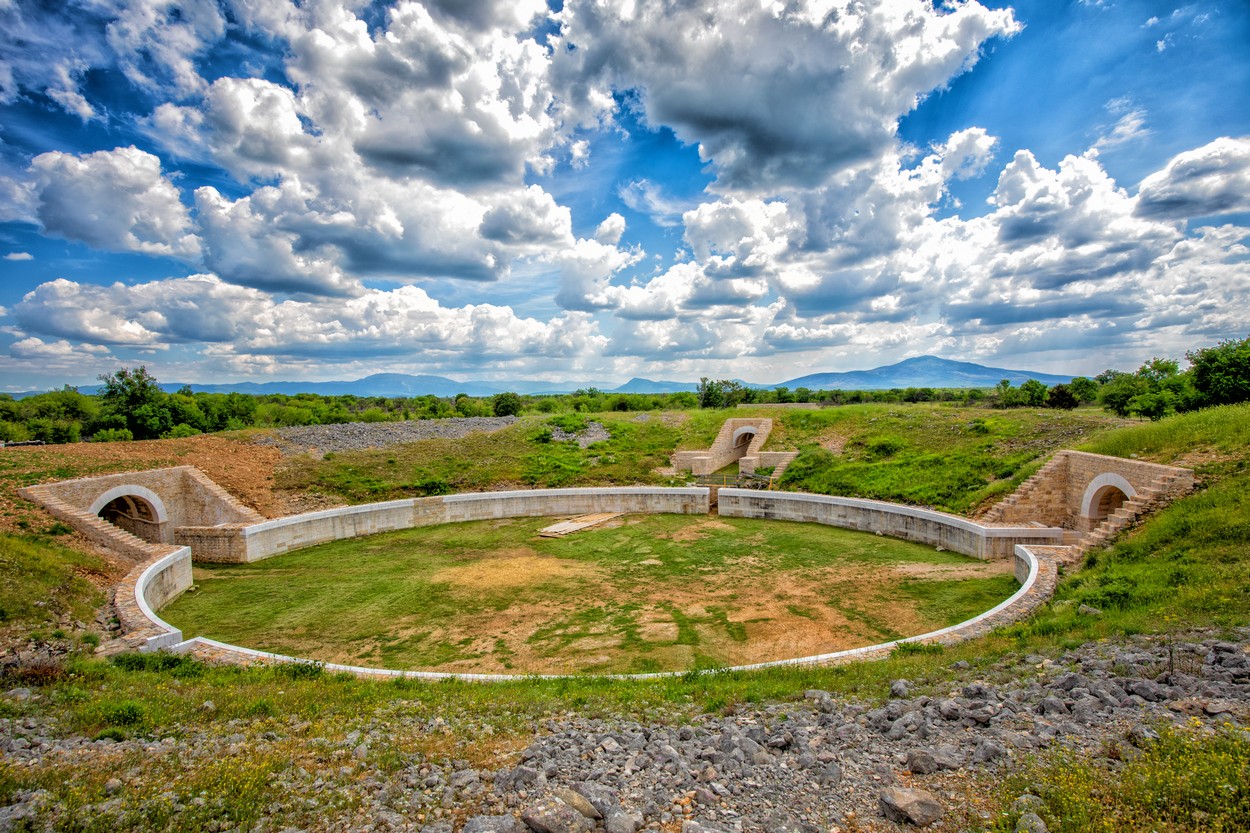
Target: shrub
{"x": 572, "y": 423}
{"x": 182, "y": 430}
{"x": 125, "y": 713}
{"x": 506, "y": 404}
{"x": 300, "y": 670}
{"x": 160, "y": 661}
{"x": 112, "y": 435}
{"x": 432, "y": 487}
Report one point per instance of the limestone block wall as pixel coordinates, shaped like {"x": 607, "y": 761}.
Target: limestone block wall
{"x": 181, "y": 496}
{"x": 724, "y": 450}
{"x": 1056, "y": 493}
{"x": 148, "y": 588}
{"x": 539, "y": 502}
{"x": 910, "y": 523}
{"x": 242, "y": 543}
{"x": 284, "y": 534}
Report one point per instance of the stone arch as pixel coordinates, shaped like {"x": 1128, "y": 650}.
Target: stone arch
{"x": 1105, "y": 493}
{"x": 136, "y": 509}
{"x": 744, "y": 435}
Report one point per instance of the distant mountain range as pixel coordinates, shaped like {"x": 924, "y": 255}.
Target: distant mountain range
{"x": 920, "y": 372}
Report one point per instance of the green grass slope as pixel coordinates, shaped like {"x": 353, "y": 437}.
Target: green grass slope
{"x": 1186, "y": 568}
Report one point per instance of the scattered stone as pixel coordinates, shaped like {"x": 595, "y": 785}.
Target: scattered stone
{"x": 909, "y": 806}
{"x": 578, "y": 802}
{"x": 921, "y": 762}
{"x": 900, "y": 689}
{"x": 1086, "y": 610}
{"x": 491, "y": 824}
{"x": 988, "y": 750}
{"x": 1031, "y": 823}
{"x": 1028, "y": 803}
{"x": 551, "y": 815}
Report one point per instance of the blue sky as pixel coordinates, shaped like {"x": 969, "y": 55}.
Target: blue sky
{"x": 257, "y": 189}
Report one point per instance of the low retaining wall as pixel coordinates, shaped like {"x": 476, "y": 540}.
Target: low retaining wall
{"x": 910, "y": 523}
{"x": 237, "y": 543}
{"x": 147, "y": 590}
{"x": 165, "y": 578}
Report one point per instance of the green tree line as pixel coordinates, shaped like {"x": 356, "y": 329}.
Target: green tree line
{"x": 132, "y": 406}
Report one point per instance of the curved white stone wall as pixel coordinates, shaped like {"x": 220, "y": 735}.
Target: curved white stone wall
{"x": 170, "y": 575}
{"x": 911, "y": 523}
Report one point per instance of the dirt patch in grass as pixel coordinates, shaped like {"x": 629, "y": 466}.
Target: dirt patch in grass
{"x": 697, "y": 530}
{"x": 512, "y": 568}
{"x": 656, "y": 593}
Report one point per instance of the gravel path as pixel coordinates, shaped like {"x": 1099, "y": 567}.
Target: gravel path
{"x": 353, "y": 436}
{"x": 813, "y": 764}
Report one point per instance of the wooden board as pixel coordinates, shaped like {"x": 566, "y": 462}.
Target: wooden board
{"x": 576, "y": 524}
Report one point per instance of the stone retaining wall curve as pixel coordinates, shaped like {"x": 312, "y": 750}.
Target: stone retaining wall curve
{"x": 925, "y": 526}
{"x": 164, "y": 578}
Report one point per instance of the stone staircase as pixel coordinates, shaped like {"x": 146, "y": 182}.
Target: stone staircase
{"x": 1034, "y": 491}
{"x": 781, "y": 467}
{"x": 94, "y": 527}
{"x": 1033, "y": 498}
{"x": 1161, "y": 490}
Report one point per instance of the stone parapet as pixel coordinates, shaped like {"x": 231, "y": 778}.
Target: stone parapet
{"x": 242, "y": 543}
{"x": 925, "y": 526}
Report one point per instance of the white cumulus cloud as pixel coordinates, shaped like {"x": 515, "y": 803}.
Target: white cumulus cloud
{"x": 112, "y": 199}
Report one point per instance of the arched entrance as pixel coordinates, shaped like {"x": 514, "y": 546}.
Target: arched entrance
{"x": 135, "y": 509}
{"x": 743, "y": 437}
{"x": 1103, "y": 496}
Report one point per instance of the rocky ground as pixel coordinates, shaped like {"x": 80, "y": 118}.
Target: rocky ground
{"x": 814, "y": 763}
{"x": 354, "y": 436}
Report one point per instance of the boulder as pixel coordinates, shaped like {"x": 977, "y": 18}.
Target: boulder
{"x": 909, "y": 806}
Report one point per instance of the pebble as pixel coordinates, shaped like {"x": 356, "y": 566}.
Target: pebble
{"x": 807, "y": 765}
{"x": 354, "y": 436}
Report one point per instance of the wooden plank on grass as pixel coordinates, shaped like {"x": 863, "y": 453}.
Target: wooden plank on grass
{"x": 576, "y": 524}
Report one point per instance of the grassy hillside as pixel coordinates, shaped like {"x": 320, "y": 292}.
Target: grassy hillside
{"x": 950, "y": 457}
{"x": 1187, "y": 568}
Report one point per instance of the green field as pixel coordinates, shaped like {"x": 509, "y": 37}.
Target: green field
{"x": 641, "y": 593}
{"x": 1183, "y": 574}
{"x": 954, "y": 458}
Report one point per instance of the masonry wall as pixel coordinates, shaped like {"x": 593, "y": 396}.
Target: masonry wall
{"x": 238, "y": 543}
{"x": 189, "y": 498}
{"x": 723, "y": 451}
{"x": 1053, "y": 495}
{"x": 923, "y": 526}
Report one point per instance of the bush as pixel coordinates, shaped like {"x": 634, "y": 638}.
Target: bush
{"x": 300, "y": 670}
{"x": 570, "y": 423}
{"x": 506, "y": 404}
{"x": 112, "y": 435}
{"x": 1061, "y": 397}
{"x": 1221, "y": 374}
{"x": 125, "y": 713}
{"x": 182, "y": 430}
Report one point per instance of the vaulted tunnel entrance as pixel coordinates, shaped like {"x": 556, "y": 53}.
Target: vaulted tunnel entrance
{"x": 135, "y": 515}
{"x": 1106, "y": 500}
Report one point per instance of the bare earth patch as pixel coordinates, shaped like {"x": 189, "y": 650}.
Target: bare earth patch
{"x": 649, "y": 595}
{"x": 513, "y": 568}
